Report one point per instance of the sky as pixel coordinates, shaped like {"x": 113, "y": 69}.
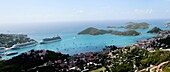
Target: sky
{"x": 39, "y": 11}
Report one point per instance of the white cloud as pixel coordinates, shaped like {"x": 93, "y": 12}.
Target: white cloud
{"x": 143, "y": 11}
{"x": 78, "y": 10}
{"x": 74, "y": 8}
{"x": 167, "y": 11}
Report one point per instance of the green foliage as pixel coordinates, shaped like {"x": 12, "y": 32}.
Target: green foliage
{"x": 18, "y": 63}
{"x": 155, "y": 58}
{"x": 123, "y": 68}
{"x": 140, "y": 57}
{"x": 166, "y": 68}
{"x": 99, "y": 70}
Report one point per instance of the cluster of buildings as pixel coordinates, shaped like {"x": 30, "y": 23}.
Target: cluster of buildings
{"x": 161, "y": 41}
{"x": 78, "y": 62}
{"x": 109, "y": 57}
{"x": 126, "y": 55}
{"x": 38, "y": 54}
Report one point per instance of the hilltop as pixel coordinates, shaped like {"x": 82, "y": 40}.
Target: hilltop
{"x": 154, "y": 30}
{"x": 130, "y": 58}
{"x": 29, "y": 61}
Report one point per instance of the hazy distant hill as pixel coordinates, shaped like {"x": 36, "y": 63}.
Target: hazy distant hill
{"x": 133, "y": 25}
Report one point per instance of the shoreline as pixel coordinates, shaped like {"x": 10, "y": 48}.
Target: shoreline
{"x": 110, "y": 58}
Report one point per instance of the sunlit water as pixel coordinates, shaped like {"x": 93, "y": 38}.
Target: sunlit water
{"x": 72, "y": 43}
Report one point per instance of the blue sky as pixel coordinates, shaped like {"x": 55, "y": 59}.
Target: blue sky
{"x": 33, "y": 11}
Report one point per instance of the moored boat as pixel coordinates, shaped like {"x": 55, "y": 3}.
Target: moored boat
{"x": 2, "y": 49}
{"x": 10, "y": 53}
{"x": 24, "y": 45}
{"x": 49, "y": 40}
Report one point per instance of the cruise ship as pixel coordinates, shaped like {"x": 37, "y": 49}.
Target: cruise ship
{"x": 24, "y": 45}
{"x": 49, "y": 40}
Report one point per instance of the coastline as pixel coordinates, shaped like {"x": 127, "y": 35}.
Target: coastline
{"x": 108, "y": 58}
{"x": 72, "y": 43}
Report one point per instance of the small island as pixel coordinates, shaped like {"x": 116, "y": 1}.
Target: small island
{"x": 133, "y": 25}
{"x": 154, "y": 30}
{"x": 95, "y": 31}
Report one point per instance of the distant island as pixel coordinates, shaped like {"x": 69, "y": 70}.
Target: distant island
{"x": 95, "y": 31}
{"x": 133, "y": 25}
{"x": 154, "y": 30}
{"x": 115, "y": 27}
{"x": 167, "y": 25}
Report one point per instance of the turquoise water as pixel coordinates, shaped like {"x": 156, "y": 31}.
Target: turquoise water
{"x": 72, "y": 43}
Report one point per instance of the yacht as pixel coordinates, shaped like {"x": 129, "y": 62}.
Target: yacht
{"x": 10, "y": 53}
{"x": 2, "y": 49}
{"x": 24, "y": 45}
{"x": 49, "y": 40}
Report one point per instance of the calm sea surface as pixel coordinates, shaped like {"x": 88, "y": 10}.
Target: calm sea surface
{"x": 71, "y": 42}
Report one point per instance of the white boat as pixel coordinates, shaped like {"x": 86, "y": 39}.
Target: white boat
{"x": 24, "y": 45}
{"x": 2, "y": 49}
{"x": 49, "y": 40}
{"x": 10, "y": 53}
{"x": 167, "y": 25}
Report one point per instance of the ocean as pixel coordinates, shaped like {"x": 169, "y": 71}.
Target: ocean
{"x": 71, "y": 42}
